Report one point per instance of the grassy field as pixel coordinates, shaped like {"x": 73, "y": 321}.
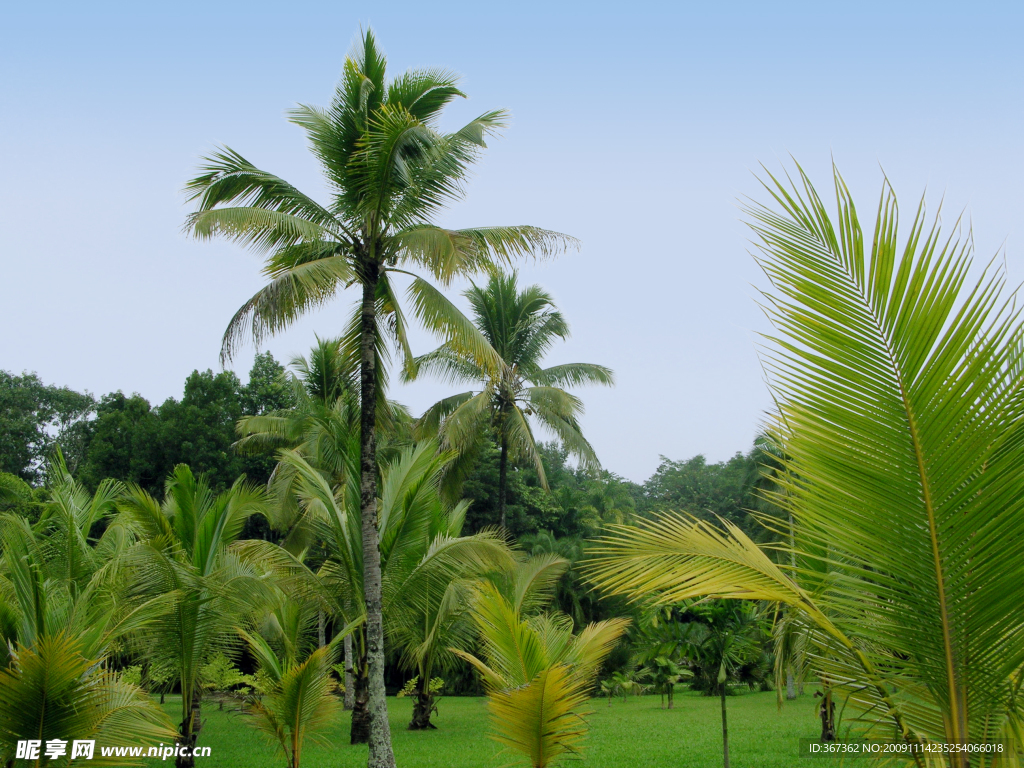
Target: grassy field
{"x": 636, "y": 734}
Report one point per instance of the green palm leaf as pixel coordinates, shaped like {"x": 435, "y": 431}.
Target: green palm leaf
{"x": 899, "y": 398}
{"x": 542, "y": 720}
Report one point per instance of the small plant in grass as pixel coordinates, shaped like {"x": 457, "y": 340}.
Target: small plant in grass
{"x": 664, "y": 673}
{"x": 132, "y": 675}
{"x": 426, "y": 701}
{"x": 225, "y": 680}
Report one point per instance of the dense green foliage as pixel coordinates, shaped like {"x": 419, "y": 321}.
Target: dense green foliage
{"x": 126, "y": 438}
{"x": 34, "y": 417}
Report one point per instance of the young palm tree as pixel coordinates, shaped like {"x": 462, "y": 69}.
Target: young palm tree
{"x": 519, "y": 328}
{"x": 664, "y": 672}
{"x": 298, "y": 702}
{"x": 64, "y": 606}
{"x": 425, "y": 561}
{"x": 538, "y": 674}
{"x": 723, "y": 642}
{"x": 390, "y": 170}
{"x": 185, "y": 553}
{"x": 899, "y": 388}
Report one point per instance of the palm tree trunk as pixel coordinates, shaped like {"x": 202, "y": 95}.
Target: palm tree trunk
{"x": 790, "y": 685}
{"x": 350, "y": 691}
{"x": 502, "y": 480}
{"x": 360, "y": 731}
{"x": 725, "y": 728}
{"x": 381, "y": 754}
{"x": 423, "y": 705}
{"x": 827, "y": 713}
{"x": 188, "y": 731}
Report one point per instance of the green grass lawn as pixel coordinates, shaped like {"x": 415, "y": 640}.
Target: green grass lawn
{"x": 635, "y": 734}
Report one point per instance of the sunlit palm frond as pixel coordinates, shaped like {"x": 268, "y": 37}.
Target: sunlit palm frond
{"x": 54, "y": 691}
{"x": 574, "y": 375}
{"x": 543, "y": 720}
{"x": 439, "y": 314}
{"x": 899, "y": 420}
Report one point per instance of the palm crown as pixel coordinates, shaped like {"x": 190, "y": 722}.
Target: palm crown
{"x": 519, "y": 328}
{"x": 389, "y": 170}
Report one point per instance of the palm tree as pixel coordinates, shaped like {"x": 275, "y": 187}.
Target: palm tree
{"x": 538, "y": 674}
{"x": 298, "y": 702}
{"x": 390, "y": 170}
{"x": 664, "y": 672}
{"x": 425, "y": 562}
{"x": 185, "y": 554}
{"x": 898, "y": 383}
{"x": 301, "y": 704}
{"x": 622, "y": 683}
{"x": 724, "y": 643}
{"x": 518, "y": 328}
{"x": 323, "y": 427}
{"x": 64, "y": 607}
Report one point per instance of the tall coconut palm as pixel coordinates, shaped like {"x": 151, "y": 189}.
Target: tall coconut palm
{"x": 390, "y": 170}
{"x": 899, "y": 382}
{"x": 185, "y": 553}
{"x": 323, "y": 429}
{"x": 519, "y": 328}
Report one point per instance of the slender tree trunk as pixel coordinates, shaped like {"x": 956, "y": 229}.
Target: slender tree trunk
{"x": 790, "y": 683}
{"x": 350, "y": 691}
{"x": 381, "y": 754}
{"x": 827, "y": 712}
{"x": 189, "y": 729}
{"x": 725, "y": 728}
{"x": 502, "y": 480}
{"x": 360, "y": 733}
{"x": 671, "y": 696}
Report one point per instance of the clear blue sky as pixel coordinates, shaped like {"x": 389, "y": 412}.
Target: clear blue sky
{"x": 636, "y": 127}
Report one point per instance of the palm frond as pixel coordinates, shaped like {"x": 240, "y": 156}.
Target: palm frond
{"x": 543, "y": 720}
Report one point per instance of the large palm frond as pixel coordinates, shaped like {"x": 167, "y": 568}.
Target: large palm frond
{"x": 53, "y": 690}
{"x": 900, "y": 407}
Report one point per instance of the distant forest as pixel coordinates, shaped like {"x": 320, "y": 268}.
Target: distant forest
{"x": 127, "y": 438}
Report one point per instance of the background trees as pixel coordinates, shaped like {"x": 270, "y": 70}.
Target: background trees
{"x": 34, "y": 417}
